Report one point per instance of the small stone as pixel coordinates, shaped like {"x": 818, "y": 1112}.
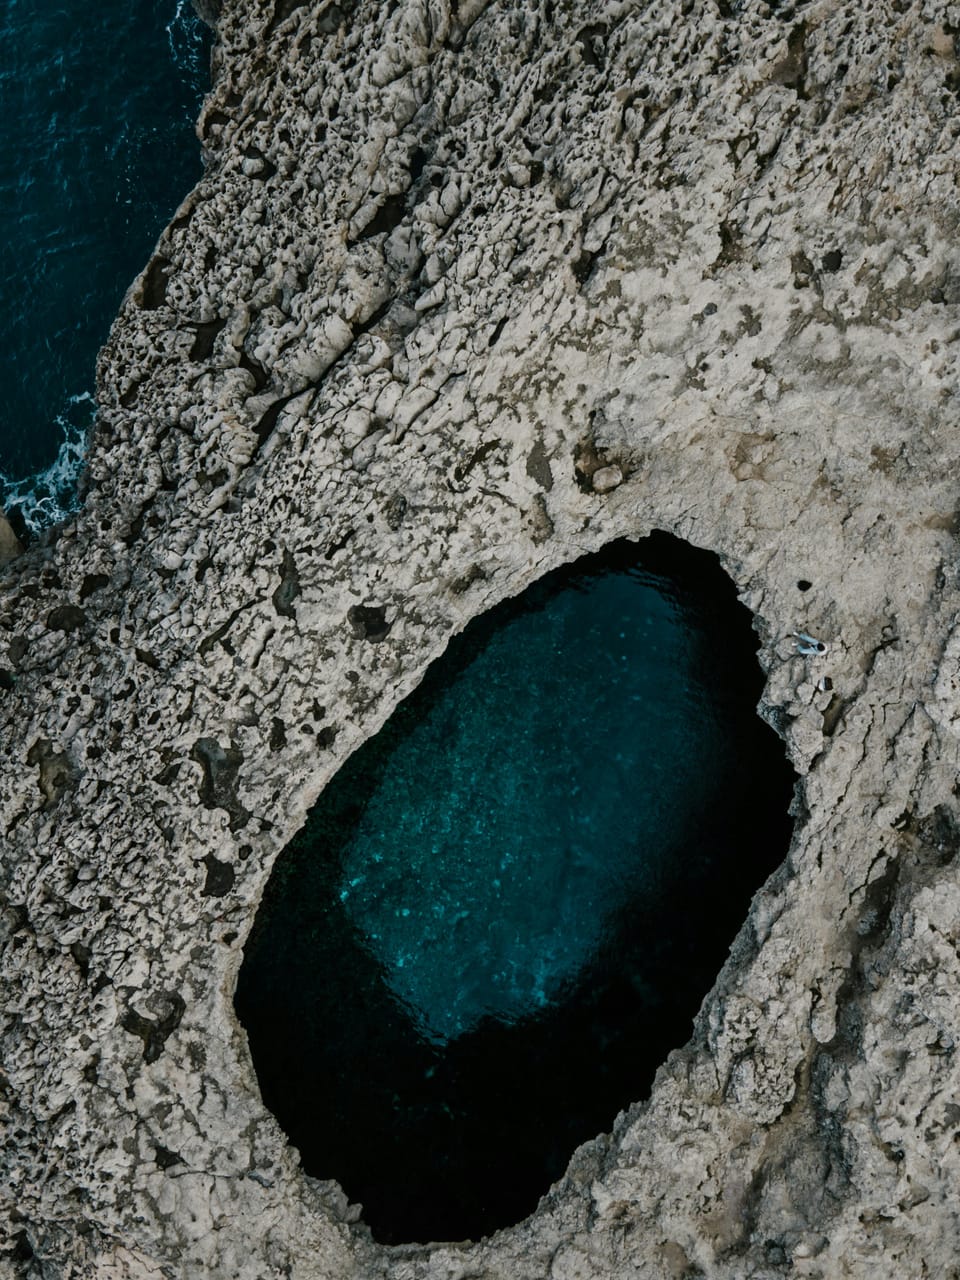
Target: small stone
{"x": 606, "y": 479}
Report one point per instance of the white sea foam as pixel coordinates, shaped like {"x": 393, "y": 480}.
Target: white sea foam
{"x": 49, "y": 496}
{"x": 185, "y": 33}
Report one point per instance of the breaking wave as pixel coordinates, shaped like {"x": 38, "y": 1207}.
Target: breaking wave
{"x": 45, "y": 498}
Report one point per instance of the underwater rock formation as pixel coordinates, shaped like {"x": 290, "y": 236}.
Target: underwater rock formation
{"x": 451, "y": 269}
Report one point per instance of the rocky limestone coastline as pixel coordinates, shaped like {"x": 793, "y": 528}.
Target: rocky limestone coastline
{"x": 469, "y": 289}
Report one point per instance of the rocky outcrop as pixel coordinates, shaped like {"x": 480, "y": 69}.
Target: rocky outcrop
{"x": 10, "y": 546}
{"x": 468, "y": 289}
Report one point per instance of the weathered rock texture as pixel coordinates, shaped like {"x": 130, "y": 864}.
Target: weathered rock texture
{"x": 10, "y": 546}
{"x": 453, "y": 271}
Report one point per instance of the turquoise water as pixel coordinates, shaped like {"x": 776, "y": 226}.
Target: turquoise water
{"x": 97, "y": 149}
{"x": 505, "y": 909}
{"x": 538, "y": 793}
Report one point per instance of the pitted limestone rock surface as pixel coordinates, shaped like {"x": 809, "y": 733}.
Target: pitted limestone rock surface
{"x": 453, "y": 268}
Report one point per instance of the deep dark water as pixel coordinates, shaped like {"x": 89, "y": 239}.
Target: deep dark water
{"x": 506, "y": 908}
{"x": 97, "y": 149}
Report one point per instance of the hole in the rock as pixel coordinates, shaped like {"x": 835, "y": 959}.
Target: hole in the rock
{"x": 507, "y": 907}
{"x": 803, "y": 584}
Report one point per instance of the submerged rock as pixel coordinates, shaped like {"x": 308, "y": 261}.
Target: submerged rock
{"x": 435, "y": 242}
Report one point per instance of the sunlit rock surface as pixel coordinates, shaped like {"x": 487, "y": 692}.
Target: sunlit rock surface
{"x": 9, "y": 542}
{"x": 446, "y": 270}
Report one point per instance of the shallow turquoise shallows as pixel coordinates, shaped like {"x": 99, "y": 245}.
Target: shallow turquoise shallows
{"x": 97, "y": 149}
{"x": 507, "y": 907}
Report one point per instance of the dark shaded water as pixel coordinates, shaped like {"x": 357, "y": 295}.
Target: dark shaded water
{"x": 97, "y": 149}
{"x": 507, "y": 907}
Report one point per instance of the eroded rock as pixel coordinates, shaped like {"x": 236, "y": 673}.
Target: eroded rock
{"x": 10, "y": 546}
{"x": 450, "y": 244}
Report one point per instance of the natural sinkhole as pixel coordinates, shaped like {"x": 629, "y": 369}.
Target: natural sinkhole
{"x": 506, "y": 908}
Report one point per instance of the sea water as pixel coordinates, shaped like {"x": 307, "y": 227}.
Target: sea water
{"x": 97, "y": 149}
{"x": 547, "y": 784}
{"x": 506, "y": 908}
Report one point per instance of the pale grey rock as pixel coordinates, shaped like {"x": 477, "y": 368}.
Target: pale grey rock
{"x": 606, "y": 479}
{"x": 10, "y": 546}
{"x": 446, "y": 264}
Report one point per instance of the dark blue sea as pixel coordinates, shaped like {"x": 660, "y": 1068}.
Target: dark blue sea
{"x": 97, "y": 149}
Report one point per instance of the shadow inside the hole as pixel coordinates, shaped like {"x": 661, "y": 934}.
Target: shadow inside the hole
{"x": 452, "y": 1141}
